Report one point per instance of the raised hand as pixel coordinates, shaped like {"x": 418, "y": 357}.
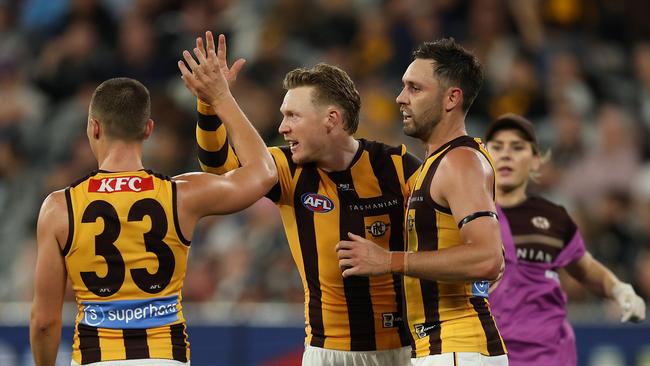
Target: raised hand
{"x": 206, "y": 79}
{"x": 361, "y": 257}
{"x": 230, "y": 73}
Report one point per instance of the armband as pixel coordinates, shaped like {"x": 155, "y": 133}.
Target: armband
{"x": 476, "y": 215}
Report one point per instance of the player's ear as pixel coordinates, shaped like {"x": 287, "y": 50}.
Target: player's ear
{"x": 148, "y": 130}
{"x": 334, "y": 118}
{"x": 536, "y": 163}
{"x": 453, "y": 98}
{"x": 94, "y": 128}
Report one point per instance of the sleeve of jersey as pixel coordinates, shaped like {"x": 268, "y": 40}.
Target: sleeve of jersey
{"x": 574, "y": 248}
{"x": 215, "y": 153}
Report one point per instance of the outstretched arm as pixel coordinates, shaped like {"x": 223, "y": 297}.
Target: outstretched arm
{"x": 49, "y": 281}
{"x": 204, "y": 194}
{"x": 602, "y": 282}
{"x": 215, "y": 153}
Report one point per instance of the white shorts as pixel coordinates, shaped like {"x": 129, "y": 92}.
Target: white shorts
{"x": 316, "y": 356}
{"x": 461, "y": 359}
{"x": 141, "y": 362}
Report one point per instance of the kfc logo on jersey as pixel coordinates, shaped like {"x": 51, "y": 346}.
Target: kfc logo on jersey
{"x": 120, "y": 184}
{"x": 317, "y": 202}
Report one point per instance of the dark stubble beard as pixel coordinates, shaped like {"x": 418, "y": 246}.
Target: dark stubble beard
{"x": 422, "y": 127}
{"x": 420, "y": 131}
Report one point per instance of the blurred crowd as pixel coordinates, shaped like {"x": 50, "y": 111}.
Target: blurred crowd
{"x": 580, "y": 70}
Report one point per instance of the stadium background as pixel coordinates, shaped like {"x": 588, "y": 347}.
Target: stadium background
{"x": 579, "y": 69}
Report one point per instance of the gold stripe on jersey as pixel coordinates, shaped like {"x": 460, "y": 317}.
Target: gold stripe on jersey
{"x": 443, "y": 316}
{"x": 111, "y": 342}
{"x": 126, "y": 259}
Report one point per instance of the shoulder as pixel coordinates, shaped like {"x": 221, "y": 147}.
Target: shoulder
{"x": 377, "y": 147}
{"x": 465, "y": 162}
{"x": 281, "y": 154}
{"x": 189, "y": 179}
{"x": 53, "y": 217}
{"x": 379, "y": 150}
{"x": 54, "y": 201}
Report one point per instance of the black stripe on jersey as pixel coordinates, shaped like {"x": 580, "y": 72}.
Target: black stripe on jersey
{"x": 89, "y": 344}
{"x": 308, "y": 182}
{"x": 287, "y": 154}
{"x": 179, "y": 342}
{"x": 410, "y": 164}
{"x": 361, "y": 316}
{"x": 177, "y": 224}
{"x": 275, "y": 193}
{"x": 494, "y": 345}
{"x": 135, "y": 344}
{"x": 68, "y": 242}
{"x": 427, "y": 232}
{"x": 427, "y": 183}
{"x": 213, "y": 158}
{"x": 208, "y": 122}
{"x": 385, "y": 171}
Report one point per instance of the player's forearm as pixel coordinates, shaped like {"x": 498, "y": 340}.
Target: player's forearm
{"x": 461, "y": 263}
{"x": 596, "y": 277}
{"x": 44, "y": 338}
{"x": 214, "y": 151}
{"x": 251, "y": 149}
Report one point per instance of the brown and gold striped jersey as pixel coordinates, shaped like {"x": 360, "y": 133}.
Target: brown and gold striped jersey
{"x": 318, "y": 209}
{"x": 126, "y": 259}
{"x": 444, "y": 317}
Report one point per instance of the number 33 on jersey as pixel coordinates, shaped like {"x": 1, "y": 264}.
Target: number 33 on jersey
{"x": 129, "y": 278}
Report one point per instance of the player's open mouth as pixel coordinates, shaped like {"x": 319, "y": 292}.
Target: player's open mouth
{"x": 293, "y": 145}
{"x": 406, "y": 116}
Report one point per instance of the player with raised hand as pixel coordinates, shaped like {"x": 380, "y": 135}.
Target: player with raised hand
{"x": 122, "y": 233}
{"x": 331, "y": 183}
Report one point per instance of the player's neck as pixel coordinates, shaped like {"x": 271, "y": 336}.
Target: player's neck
{"x": 340, "y": 153}
{"x": 121, "y": 157}
{"x": 511, "y": 197}
{"x": 445, "y": 131}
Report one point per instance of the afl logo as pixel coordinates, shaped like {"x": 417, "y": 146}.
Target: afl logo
{"x": 378, "y": 228}
{"x": 93, "y": 315}
{"x": 541, "y": 222}
{"x": 317, "y": 203}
